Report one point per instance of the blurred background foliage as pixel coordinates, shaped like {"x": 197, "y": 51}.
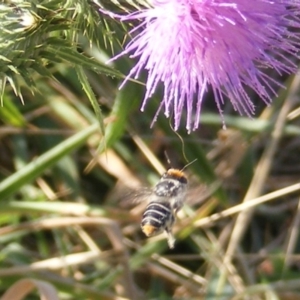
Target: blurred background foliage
{"x": 65, "y": 213}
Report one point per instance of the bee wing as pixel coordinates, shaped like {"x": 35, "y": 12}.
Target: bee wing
{"x": 135, "y": 197}
{"x": 123, "y": 196}
{"x": 198, "y": 194}
{"x": 139, "y": 196}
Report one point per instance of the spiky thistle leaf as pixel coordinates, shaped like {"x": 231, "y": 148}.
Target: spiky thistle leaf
{"x": 36, "y": 34}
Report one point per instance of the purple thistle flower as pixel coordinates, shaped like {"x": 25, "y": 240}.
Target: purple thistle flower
{"x": 189, "y": 45}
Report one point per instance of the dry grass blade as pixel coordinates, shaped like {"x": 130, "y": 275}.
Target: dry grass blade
{"x": 262, "y": 170}
{"x": 257, "y": 185}
{"x": 246, "y": 205}
{"x": 58, "y": 222}
{"x": 112, "y": 163}
{"x": 259, "y": 178}
{"x": 23, "y": 287}
{"x": 229, "y": 152}
{"x": 286, "y": 285}
{"x": 292, "y": 236}
{"x": 188, "y": 284}
{"x": 148, "y": 154}
{"x": 111, "y": 228}
{"x": 57, "y": 263}
{"x": 178, "y": 269}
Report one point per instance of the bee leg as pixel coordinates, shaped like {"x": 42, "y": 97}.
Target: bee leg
{"x": 171, "y": 239}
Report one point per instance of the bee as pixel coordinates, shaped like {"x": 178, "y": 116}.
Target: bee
{"x": 166, "y": 200}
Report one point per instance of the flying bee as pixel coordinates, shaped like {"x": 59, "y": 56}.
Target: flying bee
{"x": 166, "y": 200}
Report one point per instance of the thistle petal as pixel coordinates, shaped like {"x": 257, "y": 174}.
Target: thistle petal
{"x": 227, "y": 45}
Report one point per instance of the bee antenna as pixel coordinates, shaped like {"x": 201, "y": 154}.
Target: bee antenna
{"x": 188, "y": 164}
{"x": 167, "y": 157}
{"x": 181, "y": 139}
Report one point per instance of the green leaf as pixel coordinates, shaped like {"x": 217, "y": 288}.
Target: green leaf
{"x": 11, "y": 115}
{"x": 90, "y": 94}
{"x": 78, "y": 59}
{"x": 31, "y": 171}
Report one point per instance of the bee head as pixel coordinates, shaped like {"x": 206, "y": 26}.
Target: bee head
{"x": 175, "y": 174}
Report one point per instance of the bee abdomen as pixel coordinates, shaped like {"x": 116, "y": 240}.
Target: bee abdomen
{"x": 156, "y": 218}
